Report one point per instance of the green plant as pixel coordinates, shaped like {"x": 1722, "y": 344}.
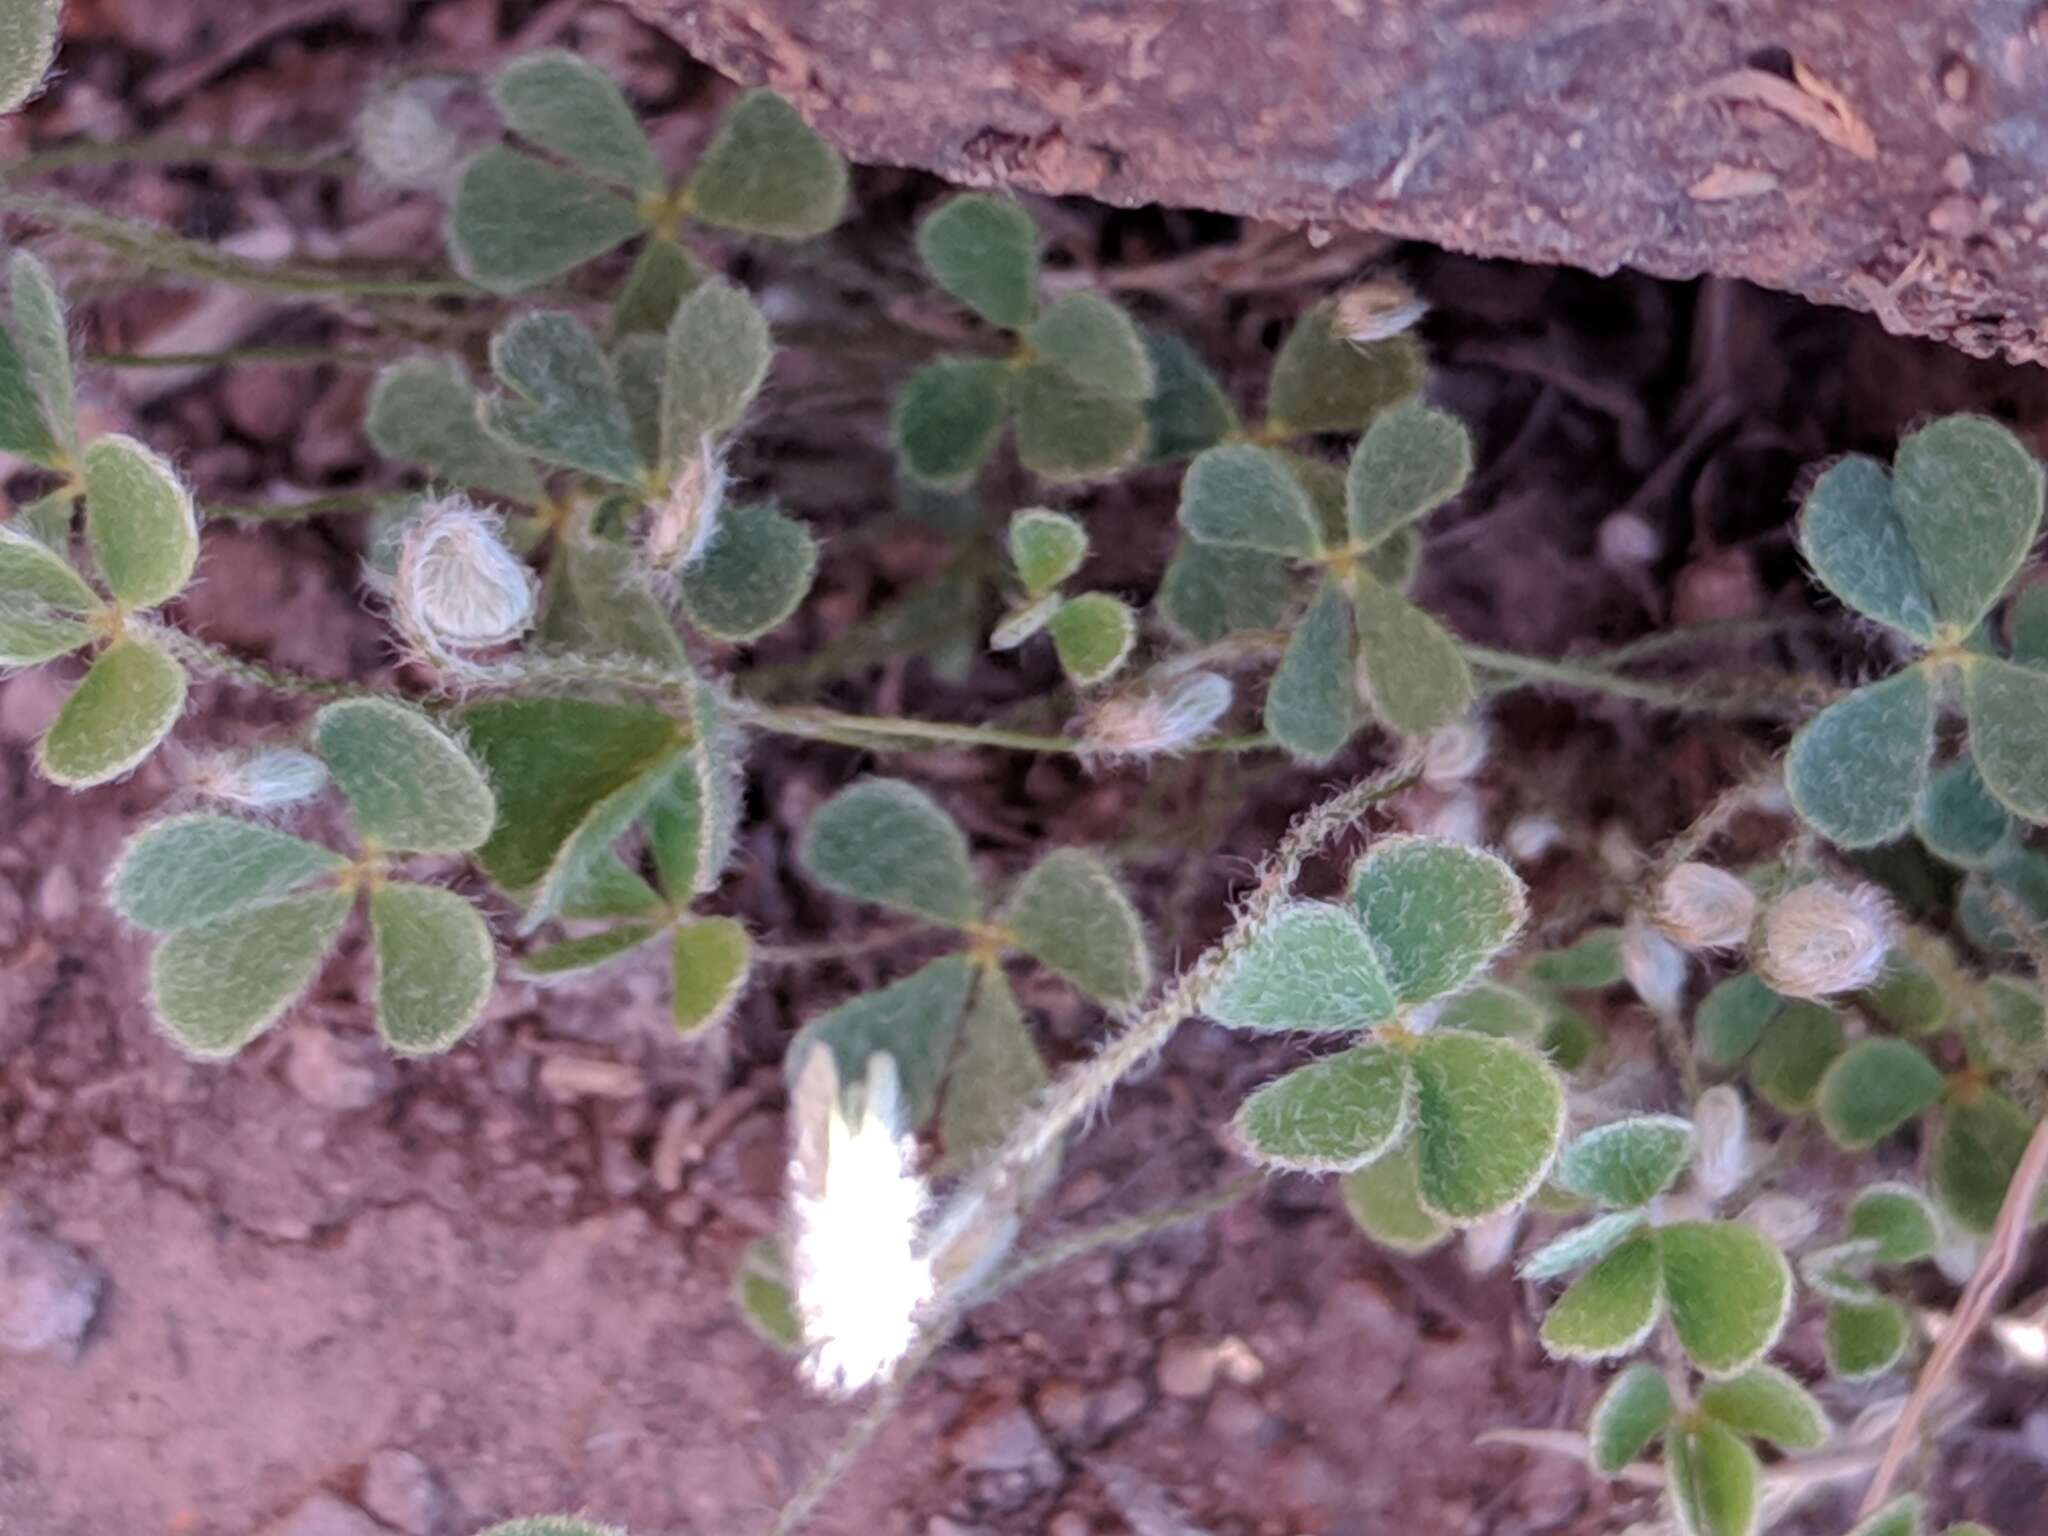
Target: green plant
{"x": 580, "y": 582}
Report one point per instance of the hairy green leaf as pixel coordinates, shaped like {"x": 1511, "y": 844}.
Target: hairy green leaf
{"x": 588, "y": 848}
{"x": 1899, "y": 1219}
{"x": 1212, "y": 590}
{"x": 33, "y": 575}
{"x": 1411, "y": 460}
{"x": 1730, "y": 1291}
{"x": 1488, "y": 1118}
{"x": 217, "y": 985}
{"x": 1732, "y": 1017}
{"x": 1411, "y": 673}
{"x": 761, "y": 1288}
{"x": 1242, "y": 495}
{"x": 191, "y": 869}
{"x": 1592, "y": 963}
{"x": 766, "y": 173}
{"x": 565, "y": 407}
{"x": 1969, "y": 494}
{"x": 1612, "y": 1307}
{"x": 570, "y": 107}
{"x": 1330, "y": 1116}
{"x": 1069, "y": 432}
{"x": 1324, "y": 383}
{"x": 1714, "y": 1480}
{"x": 572, "y": 957}
{"x": 1959, "y": 821}
{"x": 1899, "y": 1517}
{"x": 1094, "y": 342}
{"x": 718, "y": 356}
{"x": 1864, "y": 1339}
{"x": 423, "y": 410}
{"x": 1764, "y": 1403}
{"x": 517, "y": 221}
{"x": 140, "y": 521}
{"x": 1492, "y": 1009}
{"x": 1070, "y": 912}
{"x": 410, "y": 783}
{"x": 1438, "y": 912}
{"x": 753, "y": 574}
{"x": 1976, "y": 1154}
{"x": 663, "y": 275}
{"x": 1093, "y": 634}
{"x": 1855, "y": 770}
{"x": 1583, "y": 1244}
{"x": 1852, "y": 535}
{"x": 1188, "y": 410}
{"x": 995, "y": 1077}
{"x": 1627, "y": 1162}
{"x": 888, "y": 842}
{"x": 983, "y": 250}
{"x": 1628, "y": 1418}
{"x": 28, "y": 41}
{"x": 1046, "y": 548}
{"x": 1311, "y": 705}
{"x": 1311, "y": 967}
{"x": 1793, "y": 1056}
{"x": 435, "y": 966}
{"x": 1874, "y": 1088}
{"x": 126, "y": 704}
{"x": 1384, "y": 1201}
{"x": 710, "y": 964}
{"x": 948, "y": 418}
{"x": 2008, "y": 710}
{"x": 43, "y": 333}
{"x": 30, "y": 637}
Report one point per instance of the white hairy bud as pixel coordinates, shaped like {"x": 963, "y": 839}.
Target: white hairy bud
{"x": 267, "y": 780}
{"x": 405, "y": 136}
{"x": 1453, "y": 754}
{"x": 1529, "y": 838}
{"x": 1697, "y": 906}
{"x": 856, "y": 1213}
{"x": 1654, "y": 965}
{"x": 1721, "y": 1156}
{"x": 686, "y": 519}
{"x": 1376, "y": 308}
{"x": 1158, "y": 716}
{"x": 458, "y": 582}
{"x": 1820, "y": 940}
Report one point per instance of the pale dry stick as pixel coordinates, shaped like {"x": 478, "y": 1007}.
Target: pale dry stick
{"x": 1979, "y": 1301}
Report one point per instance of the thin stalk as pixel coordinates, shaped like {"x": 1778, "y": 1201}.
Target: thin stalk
{"x": 306, "y": 356}
{"x": 804, "y": 1502}
{"x": 1588, "y": 678}
{"x": 175, "y": 151}
{"x": 293, "y": 511}
{"x": 166, "y": 252}
{"x": 1979, "y": 1301}
{"x": 205, "y": 656}
{"x": 882, "y": 733}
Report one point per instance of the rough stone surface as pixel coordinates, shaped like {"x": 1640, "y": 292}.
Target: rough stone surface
{"x": 1895, "y": 161}
{"x": 402, "y": 1491}
{"x": 49, "y": 1291}
{"x": 325, "y": 1515}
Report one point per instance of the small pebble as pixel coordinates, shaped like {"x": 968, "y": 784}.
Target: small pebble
{"x": 49, "y": 1292}
{"x": 402, "y": 1491}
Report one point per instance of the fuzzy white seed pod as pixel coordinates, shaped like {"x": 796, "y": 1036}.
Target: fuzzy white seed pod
{"x": 1452, "y": 755}
{"x": 1157, "y": 717}
{"x": 1721, "y": 1156}
{"x": 404, "y": 133}
{"x": 1488, "y": 1244}
{"x": 1654, "y": 965}
{"x": 457, "y": 582}
{"x": 1698, "y": 906}
{"x": 1376, "y": 308}
{"x": 268, "y": 780}
{"x": 1820, "y": 940}
{"x": 1619, "y": 852}
{"x": 1788, "y": 1221}
{"x": 1529, "y": 838}
{"x": 685, "y": 521}
{"x": 856, "y": 1213}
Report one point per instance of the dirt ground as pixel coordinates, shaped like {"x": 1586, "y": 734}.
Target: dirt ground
{"x": 342, "y": 1296}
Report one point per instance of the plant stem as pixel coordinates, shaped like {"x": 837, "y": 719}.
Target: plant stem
{"x": 173, "y": 151}
{"x": 204, "y": 656}
{"x": 1979, "y": 1300}
{"x": 166, "y": 252}
{"x": 1592, "y": 678}
{"x": 306, "y": 356}
{"x": 293, "y": 511}
{"x": 1024, "y": 1267}
{"x": 1084, "y": 1087}
{"x": 882, "y": 733}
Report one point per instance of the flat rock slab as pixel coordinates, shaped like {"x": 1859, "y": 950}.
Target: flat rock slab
{"x": 1860, "y": 152}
